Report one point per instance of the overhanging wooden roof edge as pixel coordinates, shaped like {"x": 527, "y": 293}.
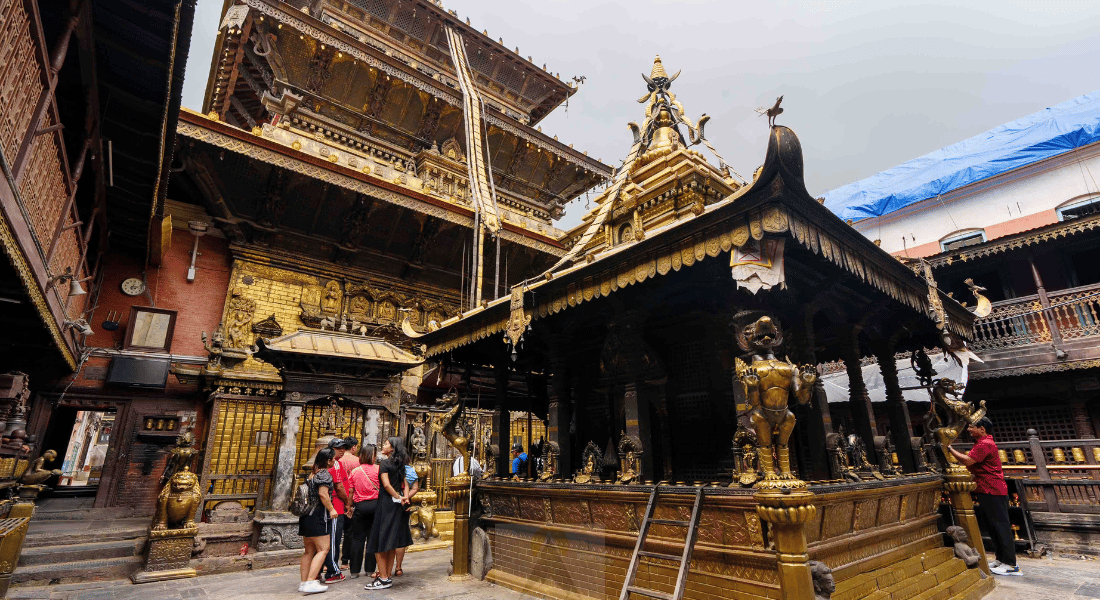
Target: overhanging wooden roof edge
{"x": 199, "y": 127}
{"x": 391, "y": 66}
{"x": 1030, "y": 237}
{"x": 750, "y": 212}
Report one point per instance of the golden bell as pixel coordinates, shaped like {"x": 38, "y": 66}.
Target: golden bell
{"x": 1018, "y": 456}
{"x": 1078, "y": 455}
{"x": 1003, "y": 454}
{"x": 1059, "y": 455}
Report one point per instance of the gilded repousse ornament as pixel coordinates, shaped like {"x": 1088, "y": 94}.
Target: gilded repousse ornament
{"x": 768, "y": 384}
{"x": 238, "y": 327}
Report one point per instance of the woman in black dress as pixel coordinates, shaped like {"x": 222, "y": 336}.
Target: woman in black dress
{"x": 316, "y": 526}
{"x": 390, "y": 530}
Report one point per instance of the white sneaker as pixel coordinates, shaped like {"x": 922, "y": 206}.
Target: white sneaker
{"x": 1006, "y": 570}
{"x": 313, "y": 587}
{"x": 300, "y": 585}
{"x": 995, "y": 563}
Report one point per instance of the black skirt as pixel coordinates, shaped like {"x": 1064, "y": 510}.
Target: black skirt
{"x": 316, "y": 523}
{"x": 391, "y": 526}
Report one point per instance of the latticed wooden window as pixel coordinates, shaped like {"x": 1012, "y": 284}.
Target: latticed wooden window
{"x": 510, "y": 77}
{"x": 312, "y": 427}
{"x": 1051, "y": 422}
{"x": 380, "y": 9}
{"x": 243, "y": 443}
{"x": 411, "y": 23}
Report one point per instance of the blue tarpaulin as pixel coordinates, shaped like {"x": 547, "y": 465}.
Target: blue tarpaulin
{"x": 1049, "y": 132}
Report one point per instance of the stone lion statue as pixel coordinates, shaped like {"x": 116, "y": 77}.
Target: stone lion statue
{"x": 177, "y": 502}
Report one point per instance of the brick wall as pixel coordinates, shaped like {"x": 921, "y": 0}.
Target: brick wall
{"x": 199, "y": 303}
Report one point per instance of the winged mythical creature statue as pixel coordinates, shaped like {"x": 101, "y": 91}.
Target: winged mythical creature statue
{"x": 772, "y": 112}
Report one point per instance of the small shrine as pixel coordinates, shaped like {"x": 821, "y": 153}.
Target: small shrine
{"x": 674, "y": 351}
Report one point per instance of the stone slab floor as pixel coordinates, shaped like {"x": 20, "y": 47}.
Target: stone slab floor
{"x": 425, "y": 578}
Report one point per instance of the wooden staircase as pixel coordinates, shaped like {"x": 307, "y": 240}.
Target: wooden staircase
{"x": 640, "y": 552}
{"x": 934, "y": 574}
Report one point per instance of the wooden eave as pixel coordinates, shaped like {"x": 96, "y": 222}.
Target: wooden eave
{"x": 371, "y": 56}
{"x": 776, "y": 202}
{"x": 201, "y": 128}
{"x": 1024, "y": 239}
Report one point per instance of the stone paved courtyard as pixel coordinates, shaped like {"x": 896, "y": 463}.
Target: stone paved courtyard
{"x": 426, "y": 578}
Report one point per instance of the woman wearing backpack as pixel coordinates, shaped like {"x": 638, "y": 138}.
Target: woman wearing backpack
{"x": 315, "y": 524}
{"x": 390, "y": 530}
{"x": 365, "y": 486}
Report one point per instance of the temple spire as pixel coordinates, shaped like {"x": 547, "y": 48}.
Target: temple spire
{"x": 658, "y": 69}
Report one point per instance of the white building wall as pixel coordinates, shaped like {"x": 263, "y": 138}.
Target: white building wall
{"x": 1009, "y": 203}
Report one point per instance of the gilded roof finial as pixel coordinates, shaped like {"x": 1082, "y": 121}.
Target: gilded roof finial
{"x": 658, "y": 69}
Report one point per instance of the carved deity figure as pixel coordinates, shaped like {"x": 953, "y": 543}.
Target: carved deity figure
{"x": 747, "y": 469}
{"x": 181, "y": 456}
{"x": 330, "y": 303}
{"x": 177, "y": 502}
{"x": 950, "y": 415}
{"x": 592, "y": 462}
{"x": 824, "y": 585}
{"x": 239, "y": 327}
{"x": 629, "y": 451}
{"x": 769, "y": 383}
{"x": 963, "y": 549}
{"x": 548, "y": 466}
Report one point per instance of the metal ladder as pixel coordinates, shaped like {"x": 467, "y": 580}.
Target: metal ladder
{"x": 685, "y": 558}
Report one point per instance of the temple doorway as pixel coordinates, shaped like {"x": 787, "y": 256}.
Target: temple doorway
{"x": 81, "y": 438}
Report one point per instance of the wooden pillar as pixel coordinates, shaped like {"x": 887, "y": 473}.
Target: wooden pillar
{"x": 557, "y": 427}
{"x": 814, "y": 419}
{"x": 637, "y": 425}
{"x": 901, "y": 426}
{"x": 1082, "y": 422}
{"x": 1048, "y": 315}
{"x": 503, "y": 424}
{"x": 863, "y": 415}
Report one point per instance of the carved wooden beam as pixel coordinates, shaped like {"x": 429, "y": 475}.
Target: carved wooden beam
{"x": 242, "y": 41}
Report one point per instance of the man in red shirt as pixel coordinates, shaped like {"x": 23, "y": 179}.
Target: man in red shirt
{"x": 339, "y": 500}
{"x": 984, "y": 463}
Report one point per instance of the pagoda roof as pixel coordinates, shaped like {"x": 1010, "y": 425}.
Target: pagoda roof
{"x": 775, "y": 202}
{"x": 335, "y": 345}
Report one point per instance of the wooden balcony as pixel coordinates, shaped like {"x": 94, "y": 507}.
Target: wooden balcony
{"x": 1051, "y": 332}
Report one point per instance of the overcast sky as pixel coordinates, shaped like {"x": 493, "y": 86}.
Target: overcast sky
{"x": 866, "y": 85}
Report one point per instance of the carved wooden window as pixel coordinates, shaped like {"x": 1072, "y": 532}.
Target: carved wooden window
{"x": 379, "y": 9}
{"x": 1051, "y": 422}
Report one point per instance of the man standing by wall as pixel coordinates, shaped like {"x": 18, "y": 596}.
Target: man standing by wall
{"x": 984, "y": 463}
{"x": 331, "y": 568}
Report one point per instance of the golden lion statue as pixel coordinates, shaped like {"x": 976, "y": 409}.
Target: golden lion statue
{"x": 177, "y": 502}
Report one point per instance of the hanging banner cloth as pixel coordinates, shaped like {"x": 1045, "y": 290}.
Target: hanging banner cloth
{"x": 612, "y": 195}
{"x": 476, "y": 167}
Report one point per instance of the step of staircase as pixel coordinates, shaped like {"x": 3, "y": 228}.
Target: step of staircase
{"x": 66, "y": 553}
{"x": 57, "y": 532}
{"x": 77, "y": 571}
{"x": 935, "y": 574}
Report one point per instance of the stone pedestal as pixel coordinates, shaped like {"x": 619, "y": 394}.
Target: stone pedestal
{"x": 168, "y": 556}
{"x": 959, "y": 483}
{"x": 459, "y": 490}
{"x": 275, "y": 530}
{"x": 787, "y": 509}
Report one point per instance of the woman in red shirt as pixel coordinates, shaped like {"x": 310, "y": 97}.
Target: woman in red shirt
{"x": 984, "y": 463}
{"x": 364, "y": 484}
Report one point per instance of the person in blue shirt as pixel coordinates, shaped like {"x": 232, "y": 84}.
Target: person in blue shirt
{"x": 519, "y": 460}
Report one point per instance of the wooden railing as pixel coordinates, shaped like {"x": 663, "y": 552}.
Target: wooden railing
{"x": 1060, "y": 476}
{"x": 1064, "y": 315}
